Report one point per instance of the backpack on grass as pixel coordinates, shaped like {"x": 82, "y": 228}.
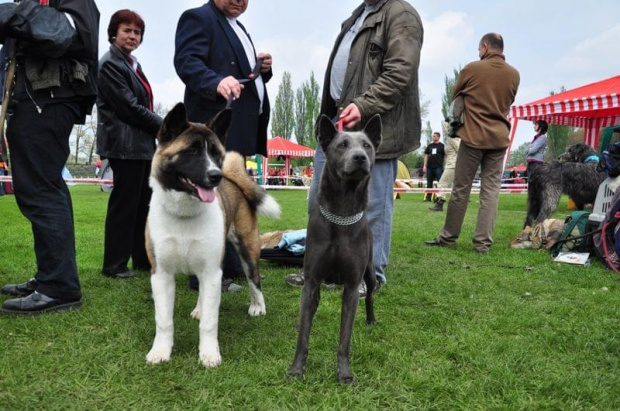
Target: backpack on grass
{"x": 573, "y": 237}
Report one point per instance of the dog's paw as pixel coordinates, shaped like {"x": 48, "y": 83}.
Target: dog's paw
{"x": 257, "y": 309}
{"x": 295, "y": 372}
{"x": 196, "y": 313}
{"x": 158, "y": 355}
{"x": 211, "y": 357}
{"x": 347, "y": 379}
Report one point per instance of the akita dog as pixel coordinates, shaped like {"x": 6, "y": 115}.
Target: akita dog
{"x": 201, "y": 197}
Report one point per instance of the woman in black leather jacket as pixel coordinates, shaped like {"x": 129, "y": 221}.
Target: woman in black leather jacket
{"x": 126, "y": 131}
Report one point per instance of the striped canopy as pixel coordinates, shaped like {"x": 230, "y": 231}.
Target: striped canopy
{"x": 279, "y": 146}
{"x": 591, "y": 107}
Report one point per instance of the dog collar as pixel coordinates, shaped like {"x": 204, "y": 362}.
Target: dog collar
{"x": 339, "y": 220}
{"x": 591, "y": 158}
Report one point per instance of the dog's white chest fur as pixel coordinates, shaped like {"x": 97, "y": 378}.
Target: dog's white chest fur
{"x": 186, "y": 234}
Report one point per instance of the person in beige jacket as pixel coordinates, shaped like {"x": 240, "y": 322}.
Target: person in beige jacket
{"x": 447, "y": 178}
{"x": 488, "y": 87}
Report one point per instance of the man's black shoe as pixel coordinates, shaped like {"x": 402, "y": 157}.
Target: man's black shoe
{"x": 20, "y": 290}
{"x": 437, "y": 243}
{"x": 37, "y": 303}
{"x": 121, "y": 275}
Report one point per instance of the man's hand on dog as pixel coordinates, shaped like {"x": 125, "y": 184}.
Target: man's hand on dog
{"x": 351, "y": 116}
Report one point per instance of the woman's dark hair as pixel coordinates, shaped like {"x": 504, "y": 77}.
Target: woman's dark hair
{"x": 543, "y": 126}
{"x": 124, "y": 16}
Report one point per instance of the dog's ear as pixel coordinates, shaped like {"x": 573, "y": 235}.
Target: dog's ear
{"x": 219, "y": 125}
{"x": 174, "y": 124}
{"x": 373, "y": 130}
{"x": 327, "y": 131}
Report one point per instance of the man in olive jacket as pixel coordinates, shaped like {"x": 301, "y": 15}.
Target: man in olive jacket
{"x": 488, "y": 87}
{"x": 373, "y": 69}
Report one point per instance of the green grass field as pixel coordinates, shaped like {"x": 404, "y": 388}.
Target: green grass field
{"x": 456, "y": 330}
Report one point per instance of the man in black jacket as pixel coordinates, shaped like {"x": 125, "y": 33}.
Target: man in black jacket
{"x": 433, "y": 162}
{"x": 55, "y": 88}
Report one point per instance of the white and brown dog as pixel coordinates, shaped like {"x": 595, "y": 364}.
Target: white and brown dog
{"x": 201, "y": 197}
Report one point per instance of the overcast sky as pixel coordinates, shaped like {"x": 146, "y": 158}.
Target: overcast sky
{"x": 552, "y": 43}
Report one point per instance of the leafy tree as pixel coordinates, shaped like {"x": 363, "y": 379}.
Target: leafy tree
{"x": 413, "y": 160}
{"x": 557, "y": 140}
{"x": 577, "y": 135}
{"x": 307, "y": 106}
{"x": 300, "y": 116}
{"x": 519, "y": 155}
{"x": 557, "y": 137}
{"x": 427, "y": 136}
{"x": 446, "y": 96}
{"x": 283, "y": 112}
{"x": 311, "y": 90}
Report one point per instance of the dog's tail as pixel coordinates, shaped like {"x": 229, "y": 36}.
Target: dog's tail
{"x": 234, "y": 170}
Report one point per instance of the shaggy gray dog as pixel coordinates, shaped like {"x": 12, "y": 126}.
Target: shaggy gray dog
{"x": 574, "y": 174}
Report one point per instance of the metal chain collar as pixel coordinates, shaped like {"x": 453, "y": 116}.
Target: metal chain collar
{"x": 339, "y": 220}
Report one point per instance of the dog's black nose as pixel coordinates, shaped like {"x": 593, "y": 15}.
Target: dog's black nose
{"x": 214, "y": 176}
{"x": 360, "y": 158}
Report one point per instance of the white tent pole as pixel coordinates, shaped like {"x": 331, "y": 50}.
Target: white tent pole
{"x": 513, "y": 130}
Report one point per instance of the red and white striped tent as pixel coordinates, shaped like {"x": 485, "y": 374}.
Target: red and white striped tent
{"x": 279, "y": 146}
{"x": 591, "y": 107}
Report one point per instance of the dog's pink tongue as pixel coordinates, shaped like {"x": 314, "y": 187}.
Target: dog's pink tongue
{"x": 207, "y": 195}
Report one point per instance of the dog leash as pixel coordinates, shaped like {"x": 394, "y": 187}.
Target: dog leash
{"x": 340, "y": 125}
{"x": 468, "y": 267}
{"x": 255, "y": 72}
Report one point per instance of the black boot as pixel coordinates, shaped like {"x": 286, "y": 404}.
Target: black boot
{"x": 438, "y": 205}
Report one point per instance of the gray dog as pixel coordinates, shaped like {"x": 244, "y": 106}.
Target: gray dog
{"x": 339, "y": 241}
{"x": 575, "y": 173}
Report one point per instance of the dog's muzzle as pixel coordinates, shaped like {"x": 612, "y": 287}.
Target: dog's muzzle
{"x": 206, "y": 194}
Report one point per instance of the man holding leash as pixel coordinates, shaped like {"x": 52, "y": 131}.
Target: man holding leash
{"x": 55, "y": 88}
{"x": 215, "y": 58}
{"x": 373, "y": 69}
{"x": 488, "y": 87}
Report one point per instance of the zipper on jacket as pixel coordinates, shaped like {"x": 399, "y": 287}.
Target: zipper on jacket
{"x": 39, "y": 110}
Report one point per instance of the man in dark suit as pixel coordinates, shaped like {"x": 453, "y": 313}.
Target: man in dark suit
{"x": 213, "y": 52}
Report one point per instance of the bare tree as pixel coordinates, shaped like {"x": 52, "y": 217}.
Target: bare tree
{"x": 90, "y": 151}
{"x": 161, "y": 110}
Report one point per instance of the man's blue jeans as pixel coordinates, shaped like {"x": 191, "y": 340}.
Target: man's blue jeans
{"x": 380, "y": 206}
